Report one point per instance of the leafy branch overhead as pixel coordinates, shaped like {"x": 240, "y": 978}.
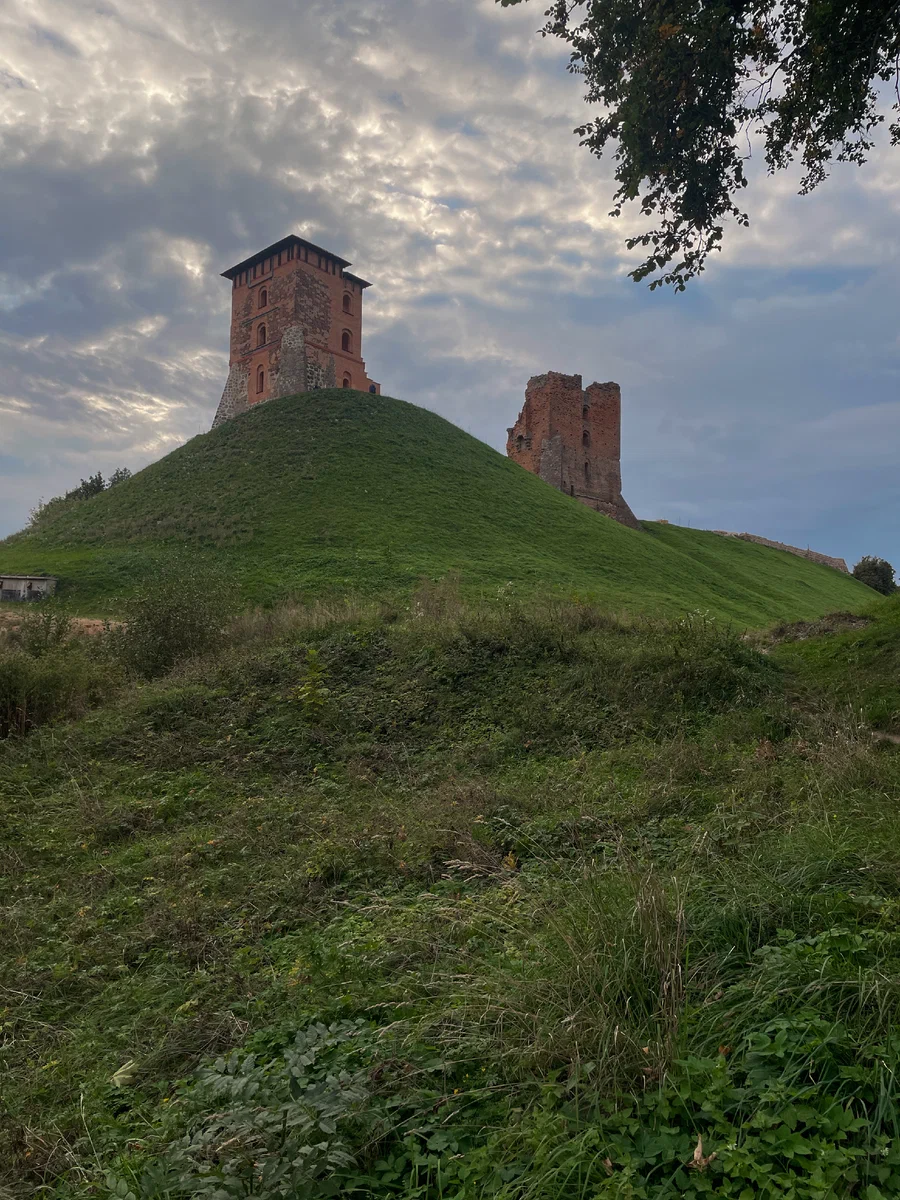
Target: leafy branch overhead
{"x": 684, "y": 87}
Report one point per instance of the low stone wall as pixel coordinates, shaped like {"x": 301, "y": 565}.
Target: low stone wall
{"x": 836, "y": 564}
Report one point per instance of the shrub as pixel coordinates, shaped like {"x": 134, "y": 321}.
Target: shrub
{"x": 62, "y": 681}
{"x": 44, "y": 627}
{"x": 177, "y": 614}
{"x": 877, "y": 573}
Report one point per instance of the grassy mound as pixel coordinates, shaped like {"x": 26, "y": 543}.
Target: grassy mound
{"x": 515, "y": 901}
{"x": 343, "y": 490}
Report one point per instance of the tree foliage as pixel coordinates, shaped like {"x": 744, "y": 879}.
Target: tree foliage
{"x": 685, "y": 85}
{"x": 877, "y": 573}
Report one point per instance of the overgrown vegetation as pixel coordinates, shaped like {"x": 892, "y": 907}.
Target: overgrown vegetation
{"x": 516, "y": 899}
{"x": 46, "y": 673}
{"x": 49, "y": 670}
{"x": 340, "y": 492}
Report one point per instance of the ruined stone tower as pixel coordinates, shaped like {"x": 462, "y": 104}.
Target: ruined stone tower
{"x": 571, "y": 438}
{"x": 296, "y": 324}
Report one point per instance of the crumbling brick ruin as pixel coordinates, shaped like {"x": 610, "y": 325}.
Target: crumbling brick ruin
{"x": 296, "y": 324}
{"x": 571, "y": 438}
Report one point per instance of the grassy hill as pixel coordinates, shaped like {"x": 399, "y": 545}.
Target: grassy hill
{"x": 343, "y": 490}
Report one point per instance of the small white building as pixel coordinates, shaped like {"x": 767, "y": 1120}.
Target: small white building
{"x": 27, "y": 587}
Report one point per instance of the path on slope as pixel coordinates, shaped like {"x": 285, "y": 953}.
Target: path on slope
{"x": 337, "y": 489}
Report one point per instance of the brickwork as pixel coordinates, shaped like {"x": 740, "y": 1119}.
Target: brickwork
{"x": 571, "y": 437}
{"x": 296, "y": 323}
{"x": 837, "y": 564}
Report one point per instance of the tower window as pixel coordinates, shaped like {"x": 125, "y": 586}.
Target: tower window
{"x": 346, "y": 341}
{"x": 585, "y": 438}
{"x": 261, "y": 336}
{"x": 260, "y": 380}
{"x": 347, "y": 381}
{"x": 263, "y": 297}
{"x": 585, "y": 412}
{"x": 520, "y": 442}
{"x": 346, "y": 302}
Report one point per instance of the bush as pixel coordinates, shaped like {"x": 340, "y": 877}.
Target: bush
{"x": 877, "y": 573}
{"x": 62, "y": 681}
{"x": 44, "y": 628}
{"x": 178, "y": 614}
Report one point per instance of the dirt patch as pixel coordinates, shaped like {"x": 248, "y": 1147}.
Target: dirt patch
{"x": 10, "y": 620}
{"x": 799, "y": 631}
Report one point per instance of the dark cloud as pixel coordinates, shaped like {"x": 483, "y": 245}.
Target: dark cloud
{"x": 146, "y": 146}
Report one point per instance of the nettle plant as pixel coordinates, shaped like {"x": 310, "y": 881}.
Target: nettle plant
{"x": 272, "y": 1130}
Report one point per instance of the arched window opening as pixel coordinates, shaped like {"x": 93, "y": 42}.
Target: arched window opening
{"x": 585, "y": 411}
{"x": 520, "y": 442}
{"x": 346, "y": 302}
{"x": 260, "y": 380}
{"x": 585, "y": 438}
{"x": 346, "y": 341}
{"x": 346, "y": 381}
{"x": 263, "y": 297}
{"x": 261, "y": 336}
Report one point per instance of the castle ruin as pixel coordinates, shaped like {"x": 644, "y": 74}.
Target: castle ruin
{"x": 296, "y": 324}
{"x": 571, "y": 438}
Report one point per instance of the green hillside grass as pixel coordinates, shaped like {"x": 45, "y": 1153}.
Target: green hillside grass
{"x": 859, "y": 670}
{"x": 531, "y": 898}
{"x": 340, "y": 490}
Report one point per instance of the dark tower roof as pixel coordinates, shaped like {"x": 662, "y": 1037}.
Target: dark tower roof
{"x": 293, "y": 240}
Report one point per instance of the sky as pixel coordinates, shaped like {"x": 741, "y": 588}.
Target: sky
{"x": 147, "y": 146}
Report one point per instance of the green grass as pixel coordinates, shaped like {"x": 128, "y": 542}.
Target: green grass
{"x": 343, "y": 491}
{"x": 859, "y": 670}
{"x": 584, "y": 888}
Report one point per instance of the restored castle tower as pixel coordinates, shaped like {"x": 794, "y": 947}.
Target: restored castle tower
{"x": 296, "y": 324}
{"x": 571, "y": 438}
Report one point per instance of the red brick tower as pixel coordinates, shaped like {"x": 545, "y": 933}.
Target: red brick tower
{"x": 571, "y": 438}
{"x": 296, "y": 324}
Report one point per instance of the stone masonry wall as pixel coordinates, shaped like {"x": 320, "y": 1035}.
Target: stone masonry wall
{"x": 837, "y": 564}
{"x": 234, "y": 398}
{"x": 292, "y": 372}
{"x": 571, "y": 437}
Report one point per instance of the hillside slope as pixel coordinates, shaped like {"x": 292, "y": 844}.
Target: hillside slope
{"x": 343, "y": 490}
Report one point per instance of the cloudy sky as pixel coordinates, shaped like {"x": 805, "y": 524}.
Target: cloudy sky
{"x": 145, "y": 145}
